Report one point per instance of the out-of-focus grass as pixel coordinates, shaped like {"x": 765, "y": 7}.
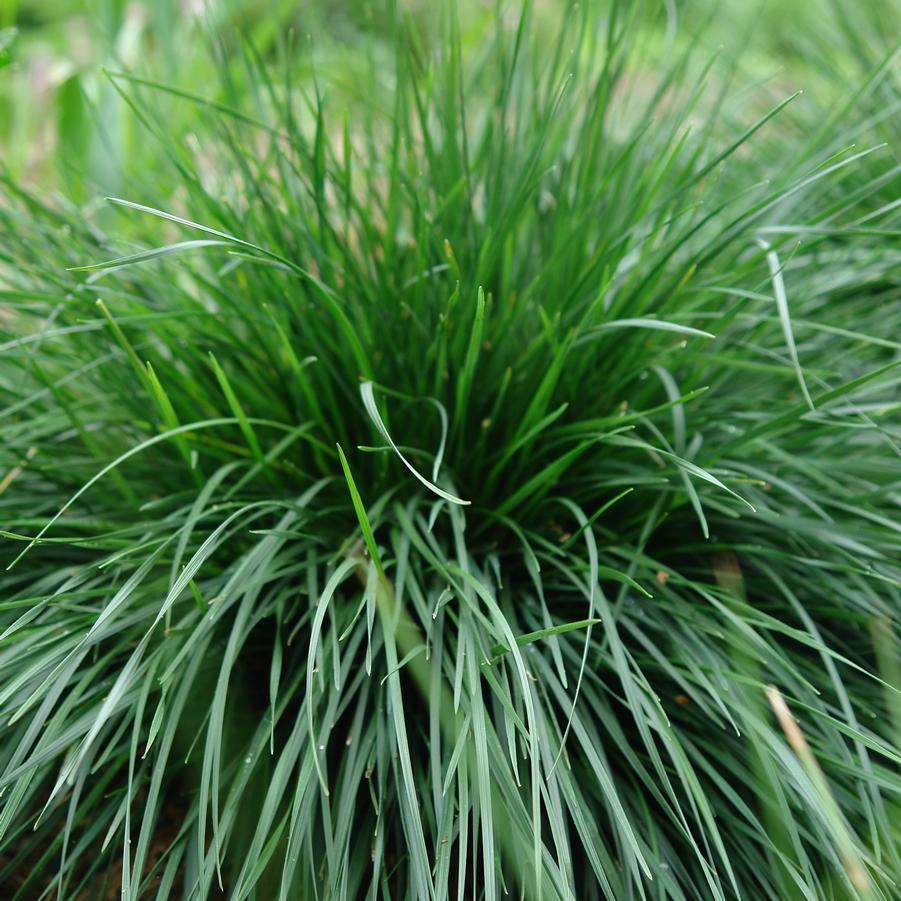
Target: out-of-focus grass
{"x": 62, "y": 122}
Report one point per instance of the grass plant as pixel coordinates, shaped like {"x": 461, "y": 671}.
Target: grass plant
{"x": 471, "y": 472}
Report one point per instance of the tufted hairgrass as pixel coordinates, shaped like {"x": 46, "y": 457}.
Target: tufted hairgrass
{"x": 475, "y": 473}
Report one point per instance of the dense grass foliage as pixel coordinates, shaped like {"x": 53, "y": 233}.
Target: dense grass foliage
{"x": 473, "y": 473}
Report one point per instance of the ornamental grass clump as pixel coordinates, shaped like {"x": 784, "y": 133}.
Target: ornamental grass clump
{"x": 473, "y": 474}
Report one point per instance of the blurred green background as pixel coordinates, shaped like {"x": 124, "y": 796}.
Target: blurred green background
{"x": 62, "y": 121}
{"x": 64, "y": 125}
